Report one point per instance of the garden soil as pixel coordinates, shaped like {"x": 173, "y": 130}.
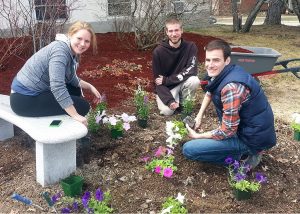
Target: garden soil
{"x": 117, "y": 165}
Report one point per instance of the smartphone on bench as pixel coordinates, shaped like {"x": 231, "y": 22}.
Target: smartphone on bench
{"x": 55, "y": 123}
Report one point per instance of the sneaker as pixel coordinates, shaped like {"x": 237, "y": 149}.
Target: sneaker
{"x": 253, "y": 160}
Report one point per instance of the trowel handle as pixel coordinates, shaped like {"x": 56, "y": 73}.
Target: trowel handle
{"x": 48, "y": 199}
{"x": 21, "y": 198}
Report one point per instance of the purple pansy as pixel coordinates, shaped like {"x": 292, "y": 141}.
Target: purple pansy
{"x": 239, "y": 177}
{"x": 85, "y": 199}
{"x": 229, "y": 160}
{"x": 66, "y": 210}
{"x": 260, "y": 178}
{"x": 55, "y": 197}
{"x": 99, "y": 195}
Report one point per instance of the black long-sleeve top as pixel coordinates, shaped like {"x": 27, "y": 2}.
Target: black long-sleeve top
{"x": 175, "y": 64}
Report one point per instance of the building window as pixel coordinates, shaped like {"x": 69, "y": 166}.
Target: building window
{"x": 119, "y": 7}
{"x": 50, "y": 9}
{"x": 178, "y": 6}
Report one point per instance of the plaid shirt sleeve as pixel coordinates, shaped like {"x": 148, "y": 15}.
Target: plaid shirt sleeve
{"x": 233, "y": 95}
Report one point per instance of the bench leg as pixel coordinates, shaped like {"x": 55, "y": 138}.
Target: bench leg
{"x": 7, "y": 130}
{"x": 54, "y": 161}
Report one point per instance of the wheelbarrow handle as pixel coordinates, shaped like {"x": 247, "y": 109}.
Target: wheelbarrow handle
{"x": 284, "y": 63}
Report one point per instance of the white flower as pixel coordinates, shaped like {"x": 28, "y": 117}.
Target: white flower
{"x": 105, "y": 120}
{"x": 126, "y": 126}
{"x": 180, "y": 197}
{"x": 126, "y": 118}
{"x": 169, "y": 127}
{"x": 101, "y": 116}
{"x": 112, "y": 121}
{"x": 296, "y": 117}
{"x": 167, "y": 210}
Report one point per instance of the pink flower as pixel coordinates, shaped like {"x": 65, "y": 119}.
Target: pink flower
{"x": 169, "y": 151}
{"x": 159, "y": 152}
{"x": 126, "y": 126}
{"x": 168, "y": 172}
{"x": 157, "y": 169}
{"x": 145, "y": 159}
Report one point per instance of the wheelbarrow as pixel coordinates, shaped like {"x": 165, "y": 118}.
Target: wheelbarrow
{"x": 259, "y": 61}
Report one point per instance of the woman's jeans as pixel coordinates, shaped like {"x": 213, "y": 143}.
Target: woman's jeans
{"x": 215, "y": 151}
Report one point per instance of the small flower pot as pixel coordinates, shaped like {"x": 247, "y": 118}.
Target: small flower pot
{"x": 297, "y": 135}
{"x": 72, "y": 185}
{"x": 142, "y": 123}
{"x": 116, "y": 134}
{"x": 241, "y": 195}
{"x": 184, "y": 115}
{"x": 83, "y": 151}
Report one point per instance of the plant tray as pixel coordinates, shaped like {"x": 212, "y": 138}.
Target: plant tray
{"x": 72, "y": 185}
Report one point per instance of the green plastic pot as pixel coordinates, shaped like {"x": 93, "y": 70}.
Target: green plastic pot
{"x": 72, "y": 185}
{"x": 297, "y": 135}
{"x": 142, "y": 123}
{"x": 241, "y": 195}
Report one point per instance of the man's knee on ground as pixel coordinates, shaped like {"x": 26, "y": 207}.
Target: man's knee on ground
{"x": 193, "y": 81}
{"x": 186, "y": 151}
{"x": 166, "y": 111}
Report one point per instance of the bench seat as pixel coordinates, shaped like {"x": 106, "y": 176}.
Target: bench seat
{"x": 55, "y": 146}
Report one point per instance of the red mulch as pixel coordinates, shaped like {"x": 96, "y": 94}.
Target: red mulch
{"x": 117, "y": 66}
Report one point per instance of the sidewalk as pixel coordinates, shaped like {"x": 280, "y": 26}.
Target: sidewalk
{"x": 285, "y": 20}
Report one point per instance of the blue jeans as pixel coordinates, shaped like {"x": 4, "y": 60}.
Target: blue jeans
{"x": 215, "y": 151}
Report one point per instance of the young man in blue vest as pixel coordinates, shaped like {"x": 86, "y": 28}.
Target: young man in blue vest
{"x": 246, "y": 118}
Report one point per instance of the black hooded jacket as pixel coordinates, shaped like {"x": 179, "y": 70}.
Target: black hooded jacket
{"x": 175, "y": 64}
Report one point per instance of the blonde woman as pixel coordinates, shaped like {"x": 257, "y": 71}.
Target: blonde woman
{"x": 48, "y": 85}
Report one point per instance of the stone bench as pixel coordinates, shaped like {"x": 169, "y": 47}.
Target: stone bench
{"x": 55, "y": 146}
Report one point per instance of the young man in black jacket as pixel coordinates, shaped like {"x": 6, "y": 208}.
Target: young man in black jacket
{"x": 174, "y": 68}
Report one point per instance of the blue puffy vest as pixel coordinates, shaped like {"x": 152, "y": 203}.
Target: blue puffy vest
{"x": 256, "y": 128}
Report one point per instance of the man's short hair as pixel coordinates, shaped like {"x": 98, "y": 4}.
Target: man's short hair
{"x": 219, "y": 45}
{"x": 173, "y": 21}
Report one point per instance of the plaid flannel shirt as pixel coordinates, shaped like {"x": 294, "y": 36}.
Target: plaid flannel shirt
{"x": 233, "y": 95}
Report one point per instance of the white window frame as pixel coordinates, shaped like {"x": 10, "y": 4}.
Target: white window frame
{"x": 123, "y": 7}
{"x": 41, "y": 6}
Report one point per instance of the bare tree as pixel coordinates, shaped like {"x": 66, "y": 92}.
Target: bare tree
{"x": 236, "y": 23}
{"x": 274, "y": 12}
{"x": 38, "y": 19}
{"x": 252, "y": 16}
{"x": 146, "y": 18}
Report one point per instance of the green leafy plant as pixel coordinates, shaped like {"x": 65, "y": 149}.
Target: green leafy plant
{"x": 188, "y": 105}
{"x": 162, "y": 163}
{"x": 295, "y": 126}
{"x": 119, "y": 122}
{"x": 174, "y": 205}
{"x": 296, "y": 122}
{"x": 97, "y": 204}
{"x": 142, "y": 104}
{"x": 238, "y": 176}
{"x": 96, "y": 115}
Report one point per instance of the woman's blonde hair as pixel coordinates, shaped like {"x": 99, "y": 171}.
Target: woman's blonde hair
{"x": 79, "y": 25}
